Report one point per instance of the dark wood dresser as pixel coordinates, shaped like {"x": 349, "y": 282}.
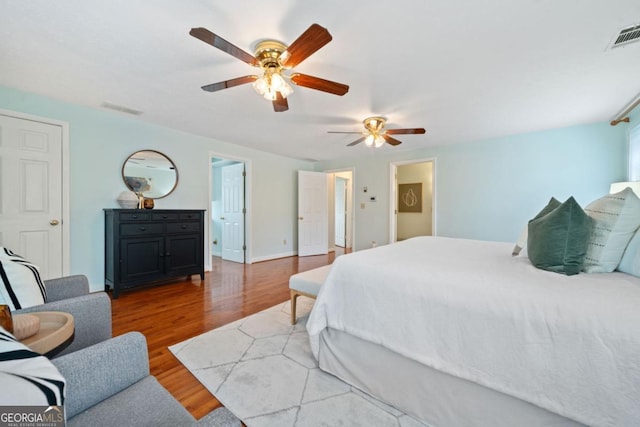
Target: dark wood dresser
{"x": 147, "y": 246}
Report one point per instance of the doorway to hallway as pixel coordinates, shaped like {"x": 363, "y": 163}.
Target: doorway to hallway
{"x": 341, "y": 218}
{"x": 228, "y": 236}
{"x": 412, "y": 199}
{"x": 325, "y": 212}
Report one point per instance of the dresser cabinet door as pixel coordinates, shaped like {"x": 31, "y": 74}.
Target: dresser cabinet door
{"x": 183, "y": 253}
{"x": 141, "y": 258}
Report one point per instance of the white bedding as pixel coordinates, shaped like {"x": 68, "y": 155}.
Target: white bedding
{"x": 569, "y": 344}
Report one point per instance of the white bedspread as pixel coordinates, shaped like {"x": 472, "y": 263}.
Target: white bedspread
{"x": 570, "y": 344}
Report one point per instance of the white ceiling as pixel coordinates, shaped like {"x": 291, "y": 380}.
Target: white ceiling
{"x": 464, "y": 70}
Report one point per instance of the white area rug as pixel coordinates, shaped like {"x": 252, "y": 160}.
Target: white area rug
{"x": 261, "y": 368}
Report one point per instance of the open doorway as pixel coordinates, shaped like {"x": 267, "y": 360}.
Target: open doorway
{"x": 228, "y": 223}
{"x": 412, "y": 199}
{"x": 341, "y": 211}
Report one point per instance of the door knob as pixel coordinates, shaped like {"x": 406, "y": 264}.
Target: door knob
{"x": 54, "y": 222}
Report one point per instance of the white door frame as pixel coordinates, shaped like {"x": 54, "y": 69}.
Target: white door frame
{"x": 393, "y": 168}
{"x": 66, "y": 224}
{"x": 353, "y": 201}
{"x": 247, "y": 204}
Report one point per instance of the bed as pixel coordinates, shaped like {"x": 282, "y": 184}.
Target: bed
{"x": 458, "y": 332}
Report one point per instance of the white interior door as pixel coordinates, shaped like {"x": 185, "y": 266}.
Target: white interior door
{"x": 31, "y": 187}
{"x": 232, "y": 218}
{"x": 313, "y": 220}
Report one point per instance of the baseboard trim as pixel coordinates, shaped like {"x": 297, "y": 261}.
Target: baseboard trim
{"x": 273, "y": 256}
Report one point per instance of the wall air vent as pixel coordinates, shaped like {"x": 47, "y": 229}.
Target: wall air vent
{"x": 626, "y": 36}
{"x": 120, "y": 108}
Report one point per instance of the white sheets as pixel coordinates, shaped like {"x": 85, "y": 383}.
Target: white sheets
{"x": 569, "y": 344}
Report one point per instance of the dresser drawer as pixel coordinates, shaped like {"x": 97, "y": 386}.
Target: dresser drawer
{"x": 142, "y": 216}
{"x": 183, "y": 227}
{"x": 194, "y": 215}
{"x": 141, "y": 229}
{"x": 163, "y": 216}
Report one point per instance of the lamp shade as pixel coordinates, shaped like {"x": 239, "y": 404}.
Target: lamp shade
{"x": 617, "y": 187}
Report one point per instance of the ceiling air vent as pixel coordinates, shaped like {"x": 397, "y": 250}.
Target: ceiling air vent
{"x": 120, "y": 108}
{"x": 626, "y": 36}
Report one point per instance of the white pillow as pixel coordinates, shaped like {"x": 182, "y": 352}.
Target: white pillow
{"x": 630, "y": 262}
{"x": 28, "y": 378}
{"x": 521, "y": 243}
{"x": 20, "y": 283}
{"x": 615, "y": 218}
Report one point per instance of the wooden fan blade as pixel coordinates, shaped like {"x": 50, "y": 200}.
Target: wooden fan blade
{"x": 357, "y": 141}
{"x": 319, "y": 84}
{"x": 391, "y": 140}
{"x": 405, "y": 131}
{"x": 335, "y": 131}
{"x": 217, "y": 41}
{"x": 229, "y": 83}
{"x": 304, "y": 46}
{"x": 280, "y": 104}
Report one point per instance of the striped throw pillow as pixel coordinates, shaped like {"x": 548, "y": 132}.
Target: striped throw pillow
{"x": 20, "y": 282}
{"x": 27, "y": 378}
{"x": 616, "y": 217}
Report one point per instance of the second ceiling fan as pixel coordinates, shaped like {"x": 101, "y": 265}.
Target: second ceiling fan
{"x": 376, "y": 135}
{"x": 274, "y": 57}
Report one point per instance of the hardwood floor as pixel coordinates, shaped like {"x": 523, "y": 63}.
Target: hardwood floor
{"x": 171, "y": 313}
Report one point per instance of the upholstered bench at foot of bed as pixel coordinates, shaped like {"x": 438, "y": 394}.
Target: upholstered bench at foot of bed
{"x": 306, "y": 284}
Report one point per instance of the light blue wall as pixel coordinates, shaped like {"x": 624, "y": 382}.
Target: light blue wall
{"x": 100, "y": 141}
{"x": 488, "y": 190}
{"x": 484, "y": 189}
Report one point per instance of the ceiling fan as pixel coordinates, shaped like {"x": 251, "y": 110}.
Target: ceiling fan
{"x": 375, "y": 134}
{"x": 274, "y": 57}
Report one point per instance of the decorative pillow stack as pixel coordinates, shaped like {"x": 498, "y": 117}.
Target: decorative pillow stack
{"x": 558, "y": 237}
{"x": 20, "y": 283}
{"x": 616, "y": 217}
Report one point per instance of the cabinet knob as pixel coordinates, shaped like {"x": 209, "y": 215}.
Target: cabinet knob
{"x": 300, "y": 218}
{"x": 222, "y": 218}
{"x": 184, "y": 227}
{"x": 54, "y": 222}
{"x": 143, "y": 229}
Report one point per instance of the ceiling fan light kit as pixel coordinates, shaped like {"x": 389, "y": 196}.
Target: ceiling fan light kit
{"x": 274, "y": 57}
{"x": 375, "y": 141}
{"x": 268, "y": 53}
{"x": 374, "y": 125}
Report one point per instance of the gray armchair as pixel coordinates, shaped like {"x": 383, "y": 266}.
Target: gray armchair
{"x": 109, "y": 384}
{"x": 91, "y": 311}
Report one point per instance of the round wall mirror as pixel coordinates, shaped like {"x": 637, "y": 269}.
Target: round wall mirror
{"x": 150, "y": 173}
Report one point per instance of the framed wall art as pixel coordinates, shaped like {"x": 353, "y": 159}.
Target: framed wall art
{"x": 410, "y": 197}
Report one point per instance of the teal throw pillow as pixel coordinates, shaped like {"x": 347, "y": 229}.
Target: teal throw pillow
{"x": 558, "y": 238}
{"x": 522, "y": 240}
